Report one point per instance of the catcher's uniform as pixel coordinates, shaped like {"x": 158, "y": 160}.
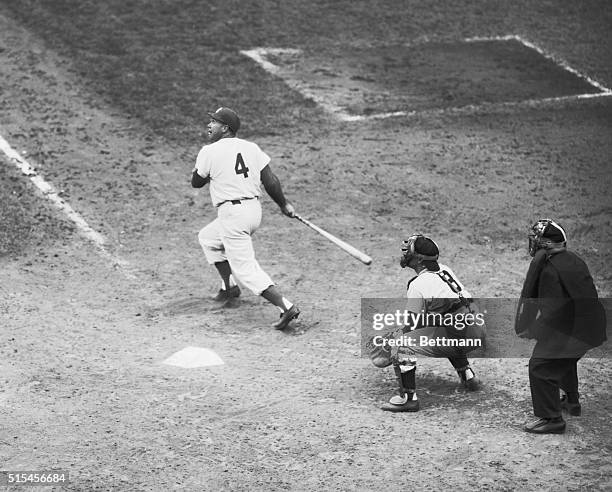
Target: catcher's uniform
{"x": 441, "y": 292}
{"x": 234, "y": 167}
{"x": 439, "y": 305}
{"x": 433, "y": 292}
{"x": 430, "y": 291}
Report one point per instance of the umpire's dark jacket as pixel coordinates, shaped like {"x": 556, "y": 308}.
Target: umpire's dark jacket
{"x": 559, "y": 306}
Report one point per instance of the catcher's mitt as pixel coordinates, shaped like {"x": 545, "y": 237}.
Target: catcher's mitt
{"x": 381, "y": 354}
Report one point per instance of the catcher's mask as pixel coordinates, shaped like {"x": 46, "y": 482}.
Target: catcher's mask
{"x": 546, "y": 234}
{"x": 409, "y": 250}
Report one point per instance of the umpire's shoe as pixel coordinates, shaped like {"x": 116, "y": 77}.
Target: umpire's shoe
{"x": 406, "y": 403}
{"x": 547, "y": 426}
{"x": 286, "y": 317}
{"x": 226, "y": 294}
{"x": 472, "y": 384}
{"x": 574, "y": 409}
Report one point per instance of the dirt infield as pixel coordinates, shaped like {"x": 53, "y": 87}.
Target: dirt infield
{"x": 108, "y": 104}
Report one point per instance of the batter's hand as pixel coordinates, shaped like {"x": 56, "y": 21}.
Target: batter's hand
{"x": 288, "y": 210}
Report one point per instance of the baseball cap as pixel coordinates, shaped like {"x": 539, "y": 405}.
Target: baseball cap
{"x": 421, "y": 247}
{"x": 428, "y": 251}
{"x": 228, "y": 117}
{"x": 426, "y": 247}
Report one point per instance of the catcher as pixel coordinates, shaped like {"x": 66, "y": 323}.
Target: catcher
{"x": 437, "y": 295}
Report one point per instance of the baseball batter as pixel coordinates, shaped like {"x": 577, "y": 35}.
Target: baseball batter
{"x": 435, "y": 289}
{"x": 235, "y": 169}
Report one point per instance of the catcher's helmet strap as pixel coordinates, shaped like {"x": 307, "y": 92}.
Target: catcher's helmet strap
{"x": 551, "y": 245}
{"x": 425, "y": 257}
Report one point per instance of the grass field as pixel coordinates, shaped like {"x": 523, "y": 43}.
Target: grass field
{"x": 107, "y": 101}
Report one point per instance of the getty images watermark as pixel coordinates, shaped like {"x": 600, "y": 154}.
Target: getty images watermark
{"x": 486, "y": 329}
{"x": 409, "y": 322}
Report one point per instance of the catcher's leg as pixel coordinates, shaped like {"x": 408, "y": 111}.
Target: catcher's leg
{"x": 406, "y": 401}
{"x": 465, "y": 372}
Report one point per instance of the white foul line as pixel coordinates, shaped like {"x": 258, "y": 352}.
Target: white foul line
{"x": 555, "y": 59}
{"x": 49, "y": 191}
{"x": 259, "y": 55}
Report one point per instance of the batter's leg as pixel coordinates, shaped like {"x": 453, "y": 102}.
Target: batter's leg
{"x": 243, "y": 265}
{"x": 288, "y": 310}
{"x": 272, "y": 295}
{"x": 223, "y": 267}
{"x": 210, "y": 239}
{"x": 237, "y": 226}
{"x": 229, "y": 289}
{"x": 212, "y": 244}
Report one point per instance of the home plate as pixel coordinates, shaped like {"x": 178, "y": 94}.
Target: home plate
{"x": 194, "y": 357}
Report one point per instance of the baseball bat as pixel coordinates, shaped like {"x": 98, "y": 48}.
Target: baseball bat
{"x": 354, "y": 252}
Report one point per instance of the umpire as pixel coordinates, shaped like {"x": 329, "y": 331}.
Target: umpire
{"x": 559, "y": 307}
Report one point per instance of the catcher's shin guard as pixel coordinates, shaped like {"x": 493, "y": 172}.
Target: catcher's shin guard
{"x": 406, "y": 377}
{"x": 406, "y": 401}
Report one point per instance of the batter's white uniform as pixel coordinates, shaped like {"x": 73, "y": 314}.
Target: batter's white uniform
{"x": 234, "y": 166}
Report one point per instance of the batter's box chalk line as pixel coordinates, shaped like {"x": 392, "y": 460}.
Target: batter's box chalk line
{"x": 264, "y": 57}
{"x": 50, "y": 192}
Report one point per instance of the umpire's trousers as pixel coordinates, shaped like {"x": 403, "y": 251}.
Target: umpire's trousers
{"x": 546, "y": 377}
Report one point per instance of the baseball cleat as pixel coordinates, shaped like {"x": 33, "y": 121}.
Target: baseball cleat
{"x": 406, "y": 403}
{"x": 574, "y": 409}
{"x": 546, "y": 426}
{"x": 286, "y": 317}
{"x": 468, "y": 379}
{"x": 472, "y": 384}
{"x": 224, "y": 295}
{"x": 401, "y": 404}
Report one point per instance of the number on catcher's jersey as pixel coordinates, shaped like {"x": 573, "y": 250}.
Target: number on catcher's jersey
{"x": 240, "y": 166}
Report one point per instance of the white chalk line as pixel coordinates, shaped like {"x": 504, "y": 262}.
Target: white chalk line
{"x": 549, "y": 56}
{"x": 474, "y": 108}
{"x": 50, "y": 192}
{"x": 260, "y": 56}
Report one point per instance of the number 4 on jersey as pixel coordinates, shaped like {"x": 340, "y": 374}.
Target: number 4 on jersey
{"x": 240, "y": 166}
